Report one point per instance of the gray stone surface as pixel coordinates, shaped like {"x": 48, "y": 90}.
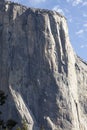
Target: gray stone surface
{"x": 45, "y": 81}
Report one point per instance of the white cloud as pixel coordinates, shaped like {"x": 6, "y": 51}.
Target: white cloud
{"x": 30, "y": 1}
{"x": 38, "y": 1}
{"x": 84, "y": 3}
{"x": 83, "y": 46}
{"x": 14, "y": 0}
{"x": 69, "y": 17}
{"x": 85, "y": 25}
{"x": 34, "y": 2}
{"x": 76, "y": 2}
{"x": 84, "y": 15}
{"x": 70, "y": 20}
{"x": 68, "y": 0}
{"x": 17, "y": 1}
{"x": 81, "y": 31}
{"x": 58, "y": 9}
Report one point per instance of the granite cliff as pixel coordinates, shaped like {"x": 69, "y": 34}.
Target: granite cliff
{"x": 45, "y": 80}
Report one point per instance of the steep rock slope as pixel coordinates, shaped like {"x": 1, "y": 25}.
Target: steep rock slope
{"x": 45, "y": 81}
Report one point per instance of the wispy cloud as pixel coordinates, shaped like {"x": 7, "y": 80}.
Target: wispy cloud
{"x": 84, "y": 15}
{"x": 68, "y": 0}
{"x": 75, "y": 2}
{"x": 30, "y": 1}
{"x": 70, "y": 20}
{"x": 35, "y": 2}
{"x": 15, "y": 0}
{"x": 38, "y": 1}
{"x": 64, "y": 11}
{"x": 58, "y": 9}
{"x": 81, "y": 31}
{"x": 84, "y": 3}
{"x": 83, "y": 46}
{"x": 85, "y": 25}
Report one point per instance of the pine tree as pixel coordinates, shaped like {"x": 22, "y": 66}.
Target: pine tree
{"x": 10, "y": 123}
{"x": 24, "y": 125}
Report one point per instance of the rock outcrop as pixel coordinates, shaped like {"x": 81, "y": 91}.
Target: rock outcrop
{"x": 45, "y": 80}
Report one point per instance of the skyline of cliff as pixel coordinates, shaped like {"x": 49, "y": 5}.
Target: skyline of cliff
{"x": 76, "y": 13}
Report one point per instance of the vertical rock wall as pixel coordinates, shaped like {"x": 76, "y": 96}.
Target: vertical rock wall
{"x": 44, "y": 79}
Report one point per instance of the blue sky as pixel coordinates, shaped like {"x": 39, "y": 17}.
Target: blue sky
{"x": 76, "y": 13}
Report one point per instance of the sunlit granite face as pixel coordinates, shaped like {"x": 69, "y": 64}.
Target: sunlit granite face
{"x": 45, "y": 81}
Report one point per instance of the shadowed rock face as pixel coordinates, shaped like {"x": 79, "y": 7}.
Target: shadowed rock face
{"x": 45, "y": 81}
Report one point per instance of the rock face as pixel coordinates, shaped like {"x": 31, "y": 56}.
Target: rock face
{"x": 45, "y": 80}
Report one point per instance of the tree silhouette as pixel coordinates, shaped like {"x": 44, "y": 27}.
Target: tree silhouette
{"x": 9, "y": 124}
